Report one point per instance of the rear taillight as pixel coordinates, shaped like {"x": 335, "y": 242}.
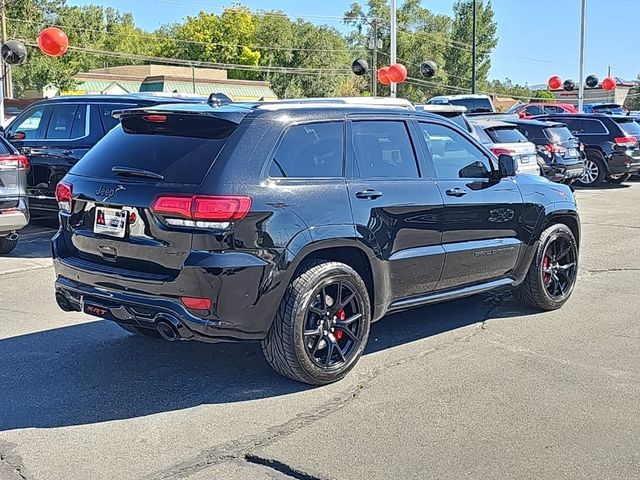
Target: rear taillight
{"x": 502, "y": 151}
{"x": 582, "y": 147}
{"x": 154, "y": 118}
{"x": 202, "y": 211}
{"x": 64, "y": 196}
{"x": 16, "y": 161}
{"x": 553, "y": 148}
{"x": 628, "y": 141}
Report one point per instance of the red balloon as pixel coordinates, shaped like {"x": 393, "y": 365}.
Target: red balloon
{"x": 609, "y": 83}
{"x": 53, "y": 42}
{"x": 383, "y": 76}
{"x": 554, "y": 82}
{"x": 397, "y": 73}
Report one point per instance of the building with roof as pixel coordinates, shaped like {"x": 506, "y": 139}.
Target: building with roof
{"x": 164, "y": 78}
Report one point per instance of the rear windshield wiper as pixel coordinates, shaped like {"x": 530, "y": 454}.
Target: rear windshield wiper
{"x": 136, "y": 172}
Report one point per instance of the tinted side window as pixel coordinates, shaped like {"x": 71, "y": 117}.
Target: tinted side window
{"x": 571, "y": 123}
{"x": 383, "y": 150}
{"x": 108, "y": 122}
{"x": 311, "y": 150}
{"x": 67, "y": 121}
{"x": 32, "y": 126}
{"x": 553, "y": 109}
{"x": 452, "y": 155}
{"x": 592, "y": 126}
{"x": 533, "y": 110}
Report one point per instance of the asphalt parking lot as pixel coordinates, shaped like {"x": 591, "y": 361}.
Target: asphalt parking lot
{"x": 479, "y": 388}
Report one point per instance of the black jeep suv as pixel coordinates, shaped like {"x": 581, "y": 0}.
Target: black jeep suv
{"x": 55, "y": 133}
{"x": 611, "y": 145}
{"x": 299, "y": 225}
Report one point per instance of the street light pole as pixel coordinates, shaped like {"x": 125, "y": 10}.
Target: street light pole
{"x": 394, "y": 40}
{"x": 583, "y": 26}
{"x": 473, "y": 50}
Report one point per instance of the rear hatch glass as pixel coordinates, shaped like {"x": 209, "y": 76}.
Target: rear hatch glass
{"x": 179, "y": 149}
{"x": 613, "y": 108}
{"x": 506, "y": 135}
{"x": 629, "y": 126}
{"x": 558, "y": 134}
{"x": 474, "y": 105}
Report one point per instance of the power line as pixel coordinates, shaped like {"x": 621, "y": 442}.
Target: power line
{"x": 193, "y": 42}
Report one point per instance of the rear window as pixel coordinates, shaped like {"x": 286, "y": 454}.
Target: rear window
{"x": 629, "y": 127}
{"x": 474, "y": 105}
{"x": 558, "y": 134}
{"x": 506, "y": 135}
{"x": 181, "y": 149}
{"x": 613, "y": 108}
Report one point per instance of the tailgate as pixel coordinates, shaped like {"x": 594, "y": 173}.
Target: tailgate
{"x": 111, "y": 226}
{"x": 12, "y": 181}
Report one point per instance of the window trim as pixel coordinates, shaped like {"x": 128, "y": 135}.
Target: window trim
{"x": 479, "y": 145}
{"x": 270, "y": 158}
{"x": 351, "y": 157}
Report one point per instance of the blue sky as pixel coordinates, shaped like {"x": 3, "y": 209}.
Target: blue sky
{"x": 537, "y": 38}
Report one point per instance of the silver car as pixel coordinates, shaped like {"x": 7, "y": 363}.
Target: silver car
{"x": 14, "y": 207}
{"x": 505, "y": 139}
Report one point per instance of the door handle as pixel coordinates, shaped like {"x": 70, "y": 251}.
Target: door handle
{"x": 456, "y": 192}
{"x": 369, "y": 194}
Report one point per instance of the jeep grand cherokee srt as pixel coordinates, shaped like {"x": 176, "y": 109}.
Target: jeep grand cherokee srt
{"x": 300, "y": 224}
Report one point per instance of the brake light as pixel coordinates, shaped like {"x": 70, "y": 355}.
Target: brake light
{"x": 16, "y": 161}
{"x": 202, "y": 211}
{"x": 582, "y": 147}
{"x": 195, "y": 303}
{"x": 64, "y": 196}
{"x": 552, "y": 148}
{"x": 154, "y": 118}
{"x": 628, "y": 141}
{"x": 502, "y": 151}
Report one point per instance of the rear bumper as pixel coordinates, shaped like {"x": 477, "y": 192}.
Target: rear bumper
{"x": 559, "y": 171}
{"x": 621, "y": 164}
{"x": 238, "y": 284}
{"x": 14, "y": 219}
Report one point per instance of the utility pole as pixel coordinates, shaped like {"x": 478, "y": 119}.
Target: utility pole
{"x": 583, "y": 26}
{"x": 374, "y": 45}
{"x": 473, "y": 50}
{"x": 193, "y": 77}
{"x": 394, "y": 40}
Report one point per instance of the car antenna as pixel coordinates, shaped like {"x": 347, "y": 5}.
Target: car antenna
{"x": 219, "y": 99}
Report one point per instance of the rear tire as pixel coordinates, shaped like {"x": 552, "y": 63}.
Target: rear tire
{"x": 536, "y": 290}
{"x": 326, "y": 311}
{"x": 7, "y": 246}
{"x": 141, "y": 332}
{"x": 594, "y": 171}
{"x": 617, "y": 180}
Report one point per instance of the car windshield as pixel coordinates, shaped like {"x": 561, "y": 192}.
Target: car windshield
{"x": 558, "y": 134}
{"x": 629, "y": 126}
{"x": 506, "y": 135}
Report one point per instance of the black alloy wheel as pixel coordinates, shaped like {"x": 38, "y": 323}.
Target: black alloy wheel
{"x": 334, "y": 325}
{"x": 559, "y": 267}
{"x": 322, "y": 326}
{"x": 553, "y": 271}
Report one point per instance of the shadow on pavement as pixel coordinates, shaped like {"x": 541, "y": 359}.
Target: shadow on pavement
{"x": 604, "y": 186}
{"x": 94, "y": 372}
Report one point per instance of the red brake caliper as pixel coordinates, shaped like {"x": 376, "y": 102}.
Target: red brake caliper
{"x": 341, "y": 316}
{"x": 546, "y": 276}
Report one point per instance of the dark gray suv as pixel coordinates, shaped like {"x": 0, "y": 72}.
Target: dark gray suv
{"x": 14, "y": 208}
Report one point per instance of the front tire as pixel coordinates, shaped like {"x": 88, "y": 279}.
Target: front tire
{"x": 322, "y": 326}
{"x": 553, "y": 272}
{"x": 618, "y": 178}
{"x": 7, "y": 246}
{"x": 594, "y": 171}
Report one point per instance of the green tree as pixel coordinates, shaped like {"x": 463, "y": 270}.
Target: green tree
{"x": 459, "y": 58}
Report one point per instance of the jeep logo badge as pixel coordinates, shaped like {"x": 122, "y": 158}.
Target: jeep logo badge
{"x": 108, "y": 192}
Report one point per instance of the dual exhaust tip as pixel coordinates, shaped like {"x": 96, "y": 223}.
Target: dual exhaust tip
{"x": 167, "y": 327}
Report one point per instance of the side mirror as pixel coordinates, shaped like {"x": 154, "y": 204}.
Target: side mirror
{"x": 507, "y": 166}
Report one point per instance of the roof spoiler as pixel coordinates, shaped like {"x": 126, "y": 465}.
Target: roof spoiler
{"x": 219, "y": 99}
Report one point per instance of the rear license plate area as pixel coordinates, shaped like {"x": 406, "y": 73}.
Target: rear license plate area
{"x": 111, "y": 222}
{"x": 97, "y": 311}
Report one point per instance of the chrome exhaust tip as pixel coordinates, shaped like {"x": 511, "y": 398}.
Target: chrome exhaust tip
{"x": 167, "y": 330}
